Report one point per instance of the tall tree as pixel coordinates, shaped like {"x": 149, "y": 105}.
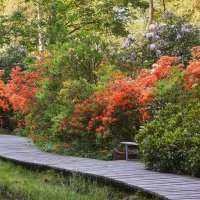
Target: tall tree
{"x": 151, "y": 13}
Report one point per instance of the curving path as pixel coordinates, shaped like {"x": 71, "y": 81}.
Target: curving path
{"x": 128, "y": 173}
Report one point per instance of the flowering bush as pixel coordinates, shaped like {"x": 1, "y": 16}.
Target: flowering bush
{"x": 192, "y": 75}
{"x": 21, "y": 89}
{"x": 4, "y": 104}
{"x": 173, "y": 36}
{"x": 122, "y": 105}
{"x": 196, "y": 53}
{"x": 18, "y": 93}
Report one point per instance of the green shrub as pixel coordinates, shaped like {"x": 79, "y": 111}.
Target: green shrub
{"x": 171, "y": 141}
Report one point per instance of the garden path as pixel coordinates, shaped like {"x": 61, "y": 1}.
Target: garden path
{"x": 128, "y": 173}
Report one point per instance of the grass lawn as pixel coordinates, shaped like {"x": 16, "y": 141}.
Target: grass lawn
{"x": 20, "y": 183}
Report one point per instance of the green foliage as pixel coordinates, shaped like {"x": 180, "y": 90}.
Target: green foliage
{"x": 79, "y": 58}
{"x": 71, "y": 75}
{"x": 12, "y": 57}
{"x": 17, "y": 30}
{"x": 72, "y": 90}
{"x": 170, "y": 142}
{"x": 170, "y": 90}
{"x": 189, "y": 9}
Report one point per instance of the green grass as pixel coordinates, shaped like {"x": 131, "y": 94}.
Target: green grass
{"x": 19, "y": 183}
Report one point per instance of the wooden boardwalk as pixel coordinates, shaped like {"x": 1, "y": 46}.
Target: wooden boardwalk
{"x": 128, "y": 173}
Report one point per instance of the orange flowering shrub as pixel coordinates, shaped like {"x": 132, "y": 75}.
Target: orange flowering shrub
{"x": 192, "y": 75}
{"x": 123, "y": 103}
{"x": 196, "y": 53}
{"x": 4, "y": 104}
{"x": 21, "y": 89}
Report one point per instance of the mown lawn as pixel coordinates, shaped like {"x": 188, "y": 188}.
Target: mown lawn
{"x": 19, "y": 183}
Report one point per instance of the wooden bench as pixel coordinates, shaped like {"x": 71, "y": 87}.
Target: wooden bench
{"x": 127, "y": 144}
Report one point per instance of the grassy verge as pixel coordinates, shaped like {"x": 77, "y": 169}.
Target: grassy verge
{"x": 17, "y": 182}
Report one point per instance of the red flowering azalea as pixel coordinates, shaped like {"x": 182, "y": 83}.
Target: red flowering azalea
{"x": 166, "y": 61}
{"x": 21, "y": 89}
{"x": 4, "y": 104}
{"x": 192, "y": 74}
{"x": 121, "y": 100}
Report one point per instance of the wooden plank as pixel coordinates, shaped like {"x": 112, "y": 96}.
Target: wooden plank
{"x": 129, "y": 173}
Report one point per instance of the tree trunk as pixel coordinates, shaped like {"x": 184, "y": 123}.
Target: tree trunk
{"x": 151, "y": 13}
{"x": 164, "y": 5}
{"x": 40, "y": 42}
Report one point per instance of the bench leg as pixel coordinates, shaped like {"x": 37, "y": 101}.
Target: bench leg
{"x": 126, "y": 146}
